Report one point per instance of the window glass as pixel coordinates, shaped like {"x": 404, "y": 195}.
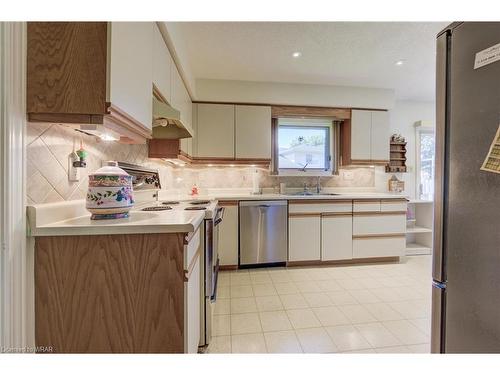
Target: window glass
{"x": 304, "y": 147}
{"x": 426, "y": 166}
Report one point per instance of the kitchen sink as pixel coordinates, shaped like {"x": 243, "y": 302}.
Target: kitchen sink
{"x": 310, "y": 193}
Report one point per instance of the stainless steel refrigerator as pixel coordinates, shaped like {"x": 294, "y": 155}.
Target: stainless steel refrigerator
{"x": 466, "y": 257}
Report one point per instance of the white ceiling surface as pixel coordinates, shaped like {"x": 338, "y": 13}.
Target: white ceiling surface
{"x": 359, "y": 54}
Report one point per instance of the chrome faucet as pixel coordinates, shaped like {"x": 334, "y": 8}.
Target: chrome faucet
{"x": 303, "y": 169}
{"x": 318, "y": 185}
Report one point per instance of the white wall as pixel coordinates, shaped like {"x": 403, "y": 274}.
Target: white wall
{"x": 403, "y": 117}
{"x": 293, "y": 94}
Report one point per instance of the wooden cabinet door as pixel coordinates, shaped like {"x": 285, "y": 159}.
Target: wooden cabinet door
{"x": 228, "y": 236}
{"x": 380, "y": 136}
{"x": 336, "y": 237}
{"x": 253, "y": 132}
{"x": 131, "y": 69}
{"x": 162, "y": 63}
{"x": 304, "y": 238}
{"x": 215, "y": 131}
{"x": 361, "y": 135}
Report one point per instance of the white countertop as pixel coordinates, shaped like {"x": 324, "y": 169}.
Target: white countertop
{"x": 71, "y": 218}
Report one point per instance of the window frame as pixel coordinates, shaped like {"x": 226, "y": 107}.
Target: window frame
{"x": 418, "y": 162}
{"x": 315, "y": 123}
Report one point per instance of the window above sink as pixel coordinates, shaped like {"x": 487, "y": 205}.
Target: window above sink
{"x": 304, "y": 146}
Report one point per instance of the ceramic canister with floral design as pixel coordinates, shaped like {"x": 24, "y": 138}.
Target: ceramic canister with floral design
{"x": 110, "y": 193}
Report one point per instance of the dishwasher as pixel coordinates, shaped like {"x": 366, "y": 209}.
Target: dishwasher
{"x": 263, "y": 232}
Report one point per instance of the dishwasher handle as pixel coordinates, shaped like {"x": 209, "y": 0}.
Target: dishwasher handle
{"x": 263, "y": 204}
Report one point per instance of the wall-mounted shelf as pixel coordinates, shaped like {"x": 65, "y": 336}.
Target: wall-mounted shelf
{"x": 397, "y": 158}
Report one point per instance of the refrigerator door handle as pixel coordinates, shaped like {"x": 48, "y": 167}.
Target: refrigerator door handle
{"x": 442, "y": 118}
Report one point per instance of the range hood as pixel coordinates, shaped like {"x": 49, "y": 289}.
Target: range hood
{"x": 167, "y": 122}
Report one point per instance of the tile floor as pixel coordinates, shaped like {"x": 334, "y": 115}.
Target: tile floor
{"x": 382, "y": 308}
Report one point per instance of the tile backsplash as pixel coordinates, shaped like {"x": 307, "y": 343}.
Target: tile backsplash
{"x": 49, "y": 146}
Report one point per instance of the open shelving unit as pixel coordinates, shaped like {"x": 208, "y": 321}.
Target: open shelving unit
{"x": 419, "y": 227}
{"x": 397, "y": 161}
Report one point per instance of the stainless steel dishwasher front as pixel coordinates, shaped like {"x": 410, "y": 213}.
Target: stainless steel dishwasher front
{"x": 263, "y": 232}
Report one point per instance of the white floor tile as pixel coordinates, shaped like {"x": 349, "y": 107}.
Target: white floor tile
{"x": 411, "y": 309}
{"x": 423, "y": 324}
{"x": 420, "y": 348}
{"x": 342, "y": 298}
{"x": 361, "y": 351}
{"x": 264, "y": 290}
{"x": 303, "y": 318}
{"x": 406, "y": 332}
{"x": 282, "y": 342}
{"x": 222, "y": 307}
{"x": 347, "y": 337}
{"x": 364, "y": 296}
{"x": 286, "y": 288}
{"x": 223, "y": 292}
{"x": 280, "y": 277}
{"x": 308, "y": 286}
{"x": 243, "y": 305}
{"x": 245, "y": 323}
{"x": 220, "y": 344}
{"x": 383, "y": 312}
{"x": 249, "y": 343}
{"x": 240, "y": 279}
{"x": 329, "y": 285}
{"x": 393, "y": 350}
{"x": 238, "y": 291}
{"x": 317, "y": 299}
{"x": 330, "y": 316}
{"x": 377, "y": 335}
{"x": 268, "y": 303}
{"x": 293, "y": 301}
{"x": 221, "y": 325}
{"x": 350, "y": 284}
{"x": 315, "y": 340}
{"x": 357, "y": 314}
{"x": 260, "y": 278}
{"x": 275, "y": 321}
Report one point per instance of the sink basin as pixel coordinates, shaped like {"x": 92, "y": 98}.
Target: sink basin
{"x": 309, "y": 193}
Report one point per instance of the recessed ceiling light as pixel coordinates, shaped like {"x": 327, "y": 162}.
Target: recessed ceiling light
{"x": 400, "y": 62}
{"x": 297, "y": 54}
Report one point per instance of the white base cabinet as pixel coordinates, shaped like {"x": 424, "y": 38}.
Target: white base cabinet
{"x": 192, "y": 290}
{"x": 336, "y": 237}
{"x": 373, "y": 247}
{"x": 304, "y": 238}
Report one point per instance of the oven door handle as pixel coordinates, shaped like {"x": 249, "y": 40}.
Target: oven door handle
{"x": 213, "y": 297}
{"x": 219, "y": 216}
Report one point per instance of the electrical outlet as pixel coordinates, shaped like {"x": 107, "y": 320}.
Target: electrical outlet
{"x": 73, "y": 172}
{"x": 348, "y": 175}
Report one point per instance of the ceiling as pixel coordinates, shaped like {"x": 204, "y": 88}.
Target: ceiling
{"x": 361, "y": 54}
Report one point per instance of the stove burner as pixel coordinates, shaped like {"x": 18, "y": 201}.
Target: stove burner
{"x": 170, "y": 202}
{"x": 199, "y": 202}
{"x": 157, "y": 208}
{"x": 195, "y": 208}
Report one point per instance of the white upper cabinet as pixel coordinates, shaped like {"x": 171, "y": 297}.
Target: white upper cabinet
{"x": 215, "y": 131}
{"x": 253, "y": 132}
{"x": 380, "y": 136}
{"x": 369, "y": 135}
{"x": 131, "y": 69}
{"x": 361, "y": 124}
{"x": 162, "y": 64}
{"x": 180, "y": 97}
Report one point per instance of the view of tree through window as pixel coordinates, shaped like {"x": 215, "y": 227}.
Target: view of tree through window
{"x": 304, "y": 147}
{"x": 427, "y": 145}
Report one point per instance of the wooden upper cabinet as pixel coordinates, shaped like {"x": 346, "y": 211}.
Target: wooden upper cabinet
{"x": 367, "y": 137}
{"x": 162, "y": 65}
{"x": 215, "y": 131}
{"x": 252, "y": 132}
{"x": 91, "y": 73}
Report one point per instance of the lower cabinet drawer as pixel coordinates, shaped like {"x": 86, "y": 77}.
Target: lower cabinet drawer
{"x": 393, "y": 205}
{"x": 378, "y": 224}
{"x": 375, "y": 247}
